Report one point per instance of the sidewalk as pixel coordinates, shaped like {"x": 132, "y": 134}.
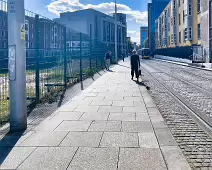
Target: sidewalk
{"x": 113, "y": 124}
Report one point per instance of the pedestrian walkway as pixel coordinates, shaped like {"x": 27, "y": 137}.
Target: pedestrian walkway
{"x": 113, "y": 124}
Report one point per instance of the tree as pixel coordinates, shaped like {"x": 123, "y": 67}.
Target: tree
{"x": 130, "y": 45}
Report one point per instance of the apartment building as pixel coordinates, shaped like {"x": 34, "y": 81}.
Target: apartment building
{"x": 179, "y": 24}
{"x": 143, "y": 35}
{"x": 97, "y": 25}
{"x": 154, "y": 10}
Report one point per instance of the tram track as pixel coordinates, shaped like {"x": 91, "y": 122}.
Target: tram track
{"x": 198, "y": 99}
{"x": 192, "y": 133}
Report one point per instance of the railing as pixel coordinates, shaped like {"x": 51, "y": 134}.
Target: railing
{"x": 57, "y": 57}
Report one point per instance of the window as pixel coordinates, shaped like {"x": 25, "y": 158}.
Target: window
{"x": 174, "y": 20}
{"x": 179, "y": 20}
{"x": 179, "y": 3}
{"x": 199, "y": 33}
{"x": 3, "y": 34}
{"x": 190, "y": 33}
{"x": 174, "y": 4}
{"x": 185, "y": 34}
{"x": 189, "y": 9}
{"x": 180, "y": 37}
{"x": 198, "y": 6}
{"x": 27, "y": 27}
{"x": 3, "y": 45}
{"x": 165, "y": 14}
{"x": 27, "y": 37}
{"x": 183, "y": 16}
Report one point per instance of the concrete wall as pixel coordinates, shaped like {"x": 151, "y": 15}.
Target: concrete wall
{"x": 173, "y": 59}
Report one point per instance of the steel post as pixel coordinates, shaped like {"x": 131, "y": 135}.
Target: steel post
{"x": 17, "y": 65}
{"x": 116, "y": 43}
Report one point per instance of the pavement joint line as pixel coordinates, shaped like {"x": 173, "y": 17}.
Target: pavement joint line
{"x": 108, "y": 116}
{"x": 81, "y": 116}
{"x": 118, "y": 158}
{"x": 121, "y": 126}
{"x": 27, "y": 157}
{"x": 89, "y": 125}
{"x": 58, "y": 125}
{"x": 63, "y": 139}
{"x": 138, "y": 140}
{"x": 101, "y": 139}
{"x": 72, "y": 157}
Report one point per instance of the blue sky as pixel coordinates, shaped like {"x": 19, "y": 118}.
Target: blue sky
{"x": 136, "y": 10}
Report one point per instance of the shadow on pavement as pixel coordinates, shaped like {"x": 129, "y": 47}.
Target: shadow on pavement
{"x": 7, "y": 143}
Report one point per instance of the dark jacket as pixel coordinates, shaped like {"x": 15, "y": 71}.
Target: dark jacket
{"x": 108, "y": 56}
{"x": 135, "y": 61}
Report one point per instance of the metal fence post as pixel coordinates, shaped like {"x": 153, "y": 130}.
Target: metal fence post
{"x": 96, "y": 64}
{"x": 17, "y": 65}
{"x": 90, "y": 58}
{"x": 81, "y": 61}
{"x": 65, "y": 57}
{"x": 37, "y": 71}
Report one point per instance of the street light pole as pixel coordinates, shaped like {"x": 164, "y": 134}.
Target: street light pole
{"x": 17, "y": 65}
{"x": 116, "y": 50}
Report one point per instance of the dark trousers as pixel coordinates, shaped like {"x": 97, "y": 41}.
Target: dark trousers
{"x": 134, "y": 70}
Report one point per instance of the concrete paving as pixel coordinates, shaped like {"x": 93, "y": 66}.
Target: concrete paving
{"x": 113, "y": 124}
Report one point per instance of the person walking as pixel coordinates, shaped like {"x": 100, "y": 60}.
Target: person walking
{"x": 135, "y": 64}
{"x": 108, "y": 58}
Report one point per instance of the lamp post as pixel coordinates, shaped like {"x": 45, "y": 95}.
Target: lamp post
{"x": 116, "y": 50}
{"x": 17, "y": 65}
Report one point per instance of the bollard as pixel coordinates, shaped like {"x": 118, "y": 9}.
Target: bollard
{"x": 17, "y": 65}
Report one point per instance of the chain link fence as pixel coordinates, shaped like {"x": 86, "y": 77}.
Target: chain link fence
{"x": 57, "y": 57}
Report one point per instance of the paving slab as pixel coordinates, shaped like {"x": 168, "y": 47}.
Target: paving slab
{"x": 106, "y": 126}
{"x": 48, "y": 124}
{"x": 119, "y": 139}
{"x": 95, "y": 116}
{"x": 44, "y": 138}
{"x": 101, "y": 103}
{"x": 148, "y": 140}
{"x": 12, "y": 157}
{"x": 114, "y": 98}
{"x": 159, "y": 124}
{"x": 133, "y": 99}
{"x": 164, "y": 137}
{"x": 83, "y": 139}
{"x": 45, "y": 158}
{"x": 67, "y": 116}
{"x": 98, "y": 98}
{"x": 122, "y": 116}
{"x": 134, "y": 109}
{"x": 174, "y": 158}
{"x": 137, "y": 126}
{"x": 141, "y": 159}
{"x": 14, "y": 139}
{"x": 83, "y": 108}
{"x": 153, "y": 111}
{"x": 123, "y": 103}
{"x": 156, "y": 118}
{"x": 142, "y": 117}
{"x": 138, "y": 103}
{"x": 95, "y": 159}
{"x": 73, "y": 126}
{"x": 111, "y": 109}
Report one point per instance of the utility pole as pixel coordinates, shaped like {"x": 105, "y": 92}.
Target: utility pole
{"x": 116, "y": 50}
{"x": 17, "y": 65}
